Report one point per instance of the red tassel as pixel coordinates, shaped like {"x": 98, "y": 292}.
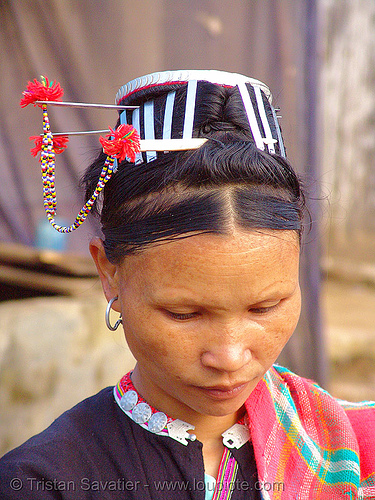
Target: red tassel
{"x": 41, "y": 91}
{"x": 59, "y": 144}
{"x": 124, "y": 142}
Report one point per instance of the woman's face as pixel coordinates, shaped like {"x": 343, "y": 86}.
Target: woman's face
{"x": 206, "y": 316}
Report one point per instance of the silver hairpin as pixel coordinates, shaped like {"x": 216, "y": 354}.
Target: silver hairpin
{"x": 85, "y": 105}
{"x": 82, "y": 132}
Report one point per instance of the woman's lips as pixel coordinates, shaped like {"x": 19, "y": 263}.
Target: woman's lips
{"x": 224, "y": 392}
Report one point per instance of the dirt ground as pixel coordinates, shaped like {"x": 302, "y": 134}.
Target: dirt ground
{"x": 349, "y": 314}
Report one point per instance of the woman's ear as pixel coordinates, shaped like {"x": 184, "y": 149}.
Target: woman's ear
{"x": 108, "y": 272}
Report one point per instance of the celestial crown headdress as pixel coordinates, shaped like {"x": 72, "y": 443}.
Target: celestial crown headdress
{"x": 151, "y": 121}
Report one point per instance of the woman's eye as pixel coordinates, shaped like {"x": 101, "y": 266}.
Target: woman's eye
{"x": 181, "y": 316}
{"x": 263, "y": 310}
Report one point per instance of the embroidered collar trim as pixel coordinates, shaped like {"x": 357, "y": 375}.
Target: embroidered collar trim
{"x": 157, "y": 422}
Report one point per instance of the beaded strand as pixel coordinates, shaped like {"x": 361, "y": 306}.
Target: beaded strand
{"x": 121, "y": 143}
{"x": 48, "y": 178}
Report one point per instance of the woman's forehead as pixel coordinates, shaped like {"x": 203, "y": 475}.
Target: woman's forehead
{"x": 235, "y": 240}
{"x": 243, "y": 257}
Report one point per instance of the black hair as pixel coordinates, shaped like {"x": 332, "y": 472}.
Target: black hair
{"x": 228, "y": 182}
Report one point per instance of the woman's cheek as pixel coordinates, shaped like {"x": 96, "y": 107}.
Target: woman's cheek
{"x": 150, "y": 339}
{"x": 274, "y": 336}
{"x": 285, "y": 323}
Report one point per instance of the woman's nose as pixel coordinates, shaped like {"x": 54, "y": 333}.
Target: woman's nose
{"x": 228, "y": 349}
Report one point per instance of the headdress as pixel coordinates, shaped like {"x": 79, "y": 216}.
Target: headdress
{"x": 152, "y": 121}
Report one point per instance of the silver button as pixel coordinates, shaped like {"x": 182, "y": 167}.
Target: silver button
{"x": 129, "y": 400}
{"x": 157, "y": 422}
{"x": 141, "y": 413}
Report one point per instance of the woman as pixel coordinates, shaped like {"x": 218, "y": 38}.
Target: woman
{"x": 200, "y": 255}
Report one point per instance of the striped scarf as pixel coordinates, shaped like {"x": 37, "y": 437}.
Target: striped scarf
{"x": 308, "y": 445}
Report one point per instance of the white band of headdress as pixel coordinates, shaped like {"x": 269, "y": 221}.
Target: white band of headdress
{"x": 148, "y": 118}
{"x": 190, "y": 109}
{"x": 168, "y": 114}
{"x": 263, "y": 117}
{"x": 137, "y": 126}
{"x": 251, "y": 115}
{"x": 279, "y": 136}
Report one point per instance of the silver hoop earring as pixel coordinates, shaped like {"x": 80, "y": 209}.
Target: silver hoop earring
{"x": 107, "y": 312}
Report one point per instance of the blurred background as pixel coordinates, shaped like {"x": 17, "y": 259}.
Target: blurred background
{"x": 318, "y": 58}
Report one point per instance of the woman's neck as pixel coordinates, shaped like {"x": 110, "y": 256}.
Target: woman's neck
{"x": 208, "y": 429}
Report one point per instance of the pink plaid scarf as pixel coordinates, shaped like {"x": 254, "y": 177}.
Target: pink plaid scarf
{"x": 307, "y": 444}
